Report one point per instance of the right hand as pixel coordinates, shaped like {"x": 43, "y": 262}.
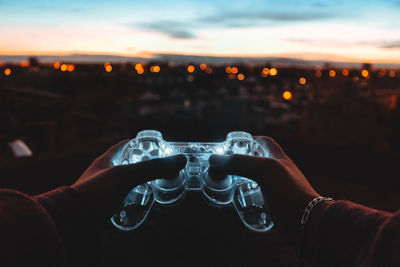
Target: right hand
{"x": 285, "y": 189}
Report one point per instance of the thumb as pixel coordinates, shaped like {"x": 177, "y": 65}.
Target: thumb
{"x": 142, "y": 172}
{"x": 254, "y": 168}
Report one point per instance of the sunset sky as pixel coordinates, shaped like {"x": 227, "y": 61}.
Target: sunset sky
{"x": 341, "y": 30}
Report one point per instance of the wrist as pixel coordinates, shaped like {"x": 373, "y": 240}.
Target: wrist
{"x": 314, "y": 220}
{"x": 311, "y": 219}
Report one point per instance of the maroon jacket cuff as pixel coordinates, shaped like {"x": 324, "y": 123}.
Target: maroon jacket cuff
{"x": 28, "y": 235}
{"x": 345, "y": 234}
{"x": 75, "y": 225}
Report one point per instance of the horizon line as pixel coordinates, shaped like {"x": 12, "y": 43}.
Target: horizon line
{"x": 308, "y": 57}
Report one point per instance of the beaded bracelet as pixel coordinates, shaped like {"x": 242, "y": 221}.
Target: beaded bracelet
{"x": 304, "y": 220}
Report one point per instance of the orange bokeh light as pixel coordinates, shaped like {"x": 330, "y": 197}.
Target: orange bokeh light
{"x": 365, "y": 73}
{"x": 287, "y": 95}
{"x": 345, "y": 72}
{"x": 155, "y": 68}
{"x": 106, "y": 64}
{"x": 203, "y": 66}
{"x": 56, "y": 65}
{"x": 108, "y": 68}
{"x": 138, "y": 66}
{"x": 228, "y": 69}
{"x": 318, "y": 74}
{"x": 140, "y": 71}
{"x": 332, "y": 73}
{"x": 265, "y": 72}
{"x": 190, "y": 68}
{"x": 392, "y": 73}
{"x": 7, "y": 72}
{"x": 209, "y": 70}
{"x": 240, "y": 77}
{"x": 234, "y": 70}
{"x": 25, "y": 64}
{"x": 71, "y": 67}
{"x": 273, "y": 71}
{"x": 302, "y": 80}
{"x": 382, "y": 73}
{"x": 64, "y": 67}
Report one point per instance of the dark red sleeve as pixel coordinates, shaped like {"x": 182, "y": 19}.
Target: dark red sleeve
{"x": 353, "y": 235}
{"x": 51, "y": 229}
{"x": 75, "y": 225}
{"x": 28, "y": 235}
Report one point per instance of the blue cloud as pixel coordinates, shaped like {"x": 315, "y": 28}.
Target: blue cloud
{"x": 172, "y": 29}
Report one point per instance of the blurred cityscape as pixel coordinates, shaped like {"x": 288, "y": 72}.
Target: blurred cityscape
{"x": 63, "y": 106}
{"x": 341, "y": 126}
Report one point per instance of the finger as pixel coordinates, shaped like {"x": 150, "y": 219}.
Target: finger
{"x": 142, "y": 172}
{"x": 254, "y": 168}
{"x": 117, "y": 147}
{"x": 274, "y": 150}
{"x": 111, "y": 156}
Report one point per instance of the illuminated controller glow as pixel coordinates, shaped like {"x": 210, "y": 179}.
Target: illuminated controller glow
{"x": 243, "y": 194}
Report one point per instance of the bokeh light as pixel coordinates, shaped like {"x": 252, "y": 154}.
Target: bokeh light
{"x": 190, "y": 68}
{"x": 138, "y": 66}
{"x": 155, "y": 68}
{"x": 273, "y": 72}
{"x": 302, "y": 80}
{"x": 25, "y": 64}
{"x": 231, "y": 76}
{"x": 240, "y": 76}
{"x": 332, "y": 73}
{"x": 108, "y": 68}
{"x": 71, "y": 67}
{"x": 234, "y": 70}
{"x": 203, "y": 66}
{"x": 7, "y": 72}
{"x": 64, "y": 67}
{"x": 382, "y": 73}
{"x": 287, "y": 95}
{"x": 56, "y": 65}
{"x": 365, "y": 73}
{"x": 345, "y": 72}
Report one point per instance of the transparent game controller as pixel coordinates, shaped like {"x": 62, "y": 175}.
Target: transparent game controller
{"x": 242, "y": 193}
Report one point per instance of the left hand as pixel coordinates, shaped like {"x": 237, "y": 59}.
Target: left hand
{"x": 104, "y": 184}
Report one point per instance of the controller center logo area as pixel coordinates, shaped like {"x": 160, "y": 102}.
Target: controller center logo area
{"x": 242, "y": 193}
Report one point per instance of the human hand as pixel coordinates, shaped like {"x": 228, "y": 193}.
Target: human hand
{"x": 286, "y": 191}
{"x": 104, "y": 184}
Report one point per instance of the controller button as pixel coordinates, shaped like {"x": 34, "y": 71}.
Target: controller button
{"x": 137, "y": 151}
{"x": 148, "y": 145}
{"x": 155, "y": 153}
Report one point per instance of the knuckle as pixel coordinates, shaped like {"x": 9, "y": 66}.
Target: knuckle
{"x": 234, "y": 159}
{"x": 274, "y": 164}
{"x": 269, "y": 140}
